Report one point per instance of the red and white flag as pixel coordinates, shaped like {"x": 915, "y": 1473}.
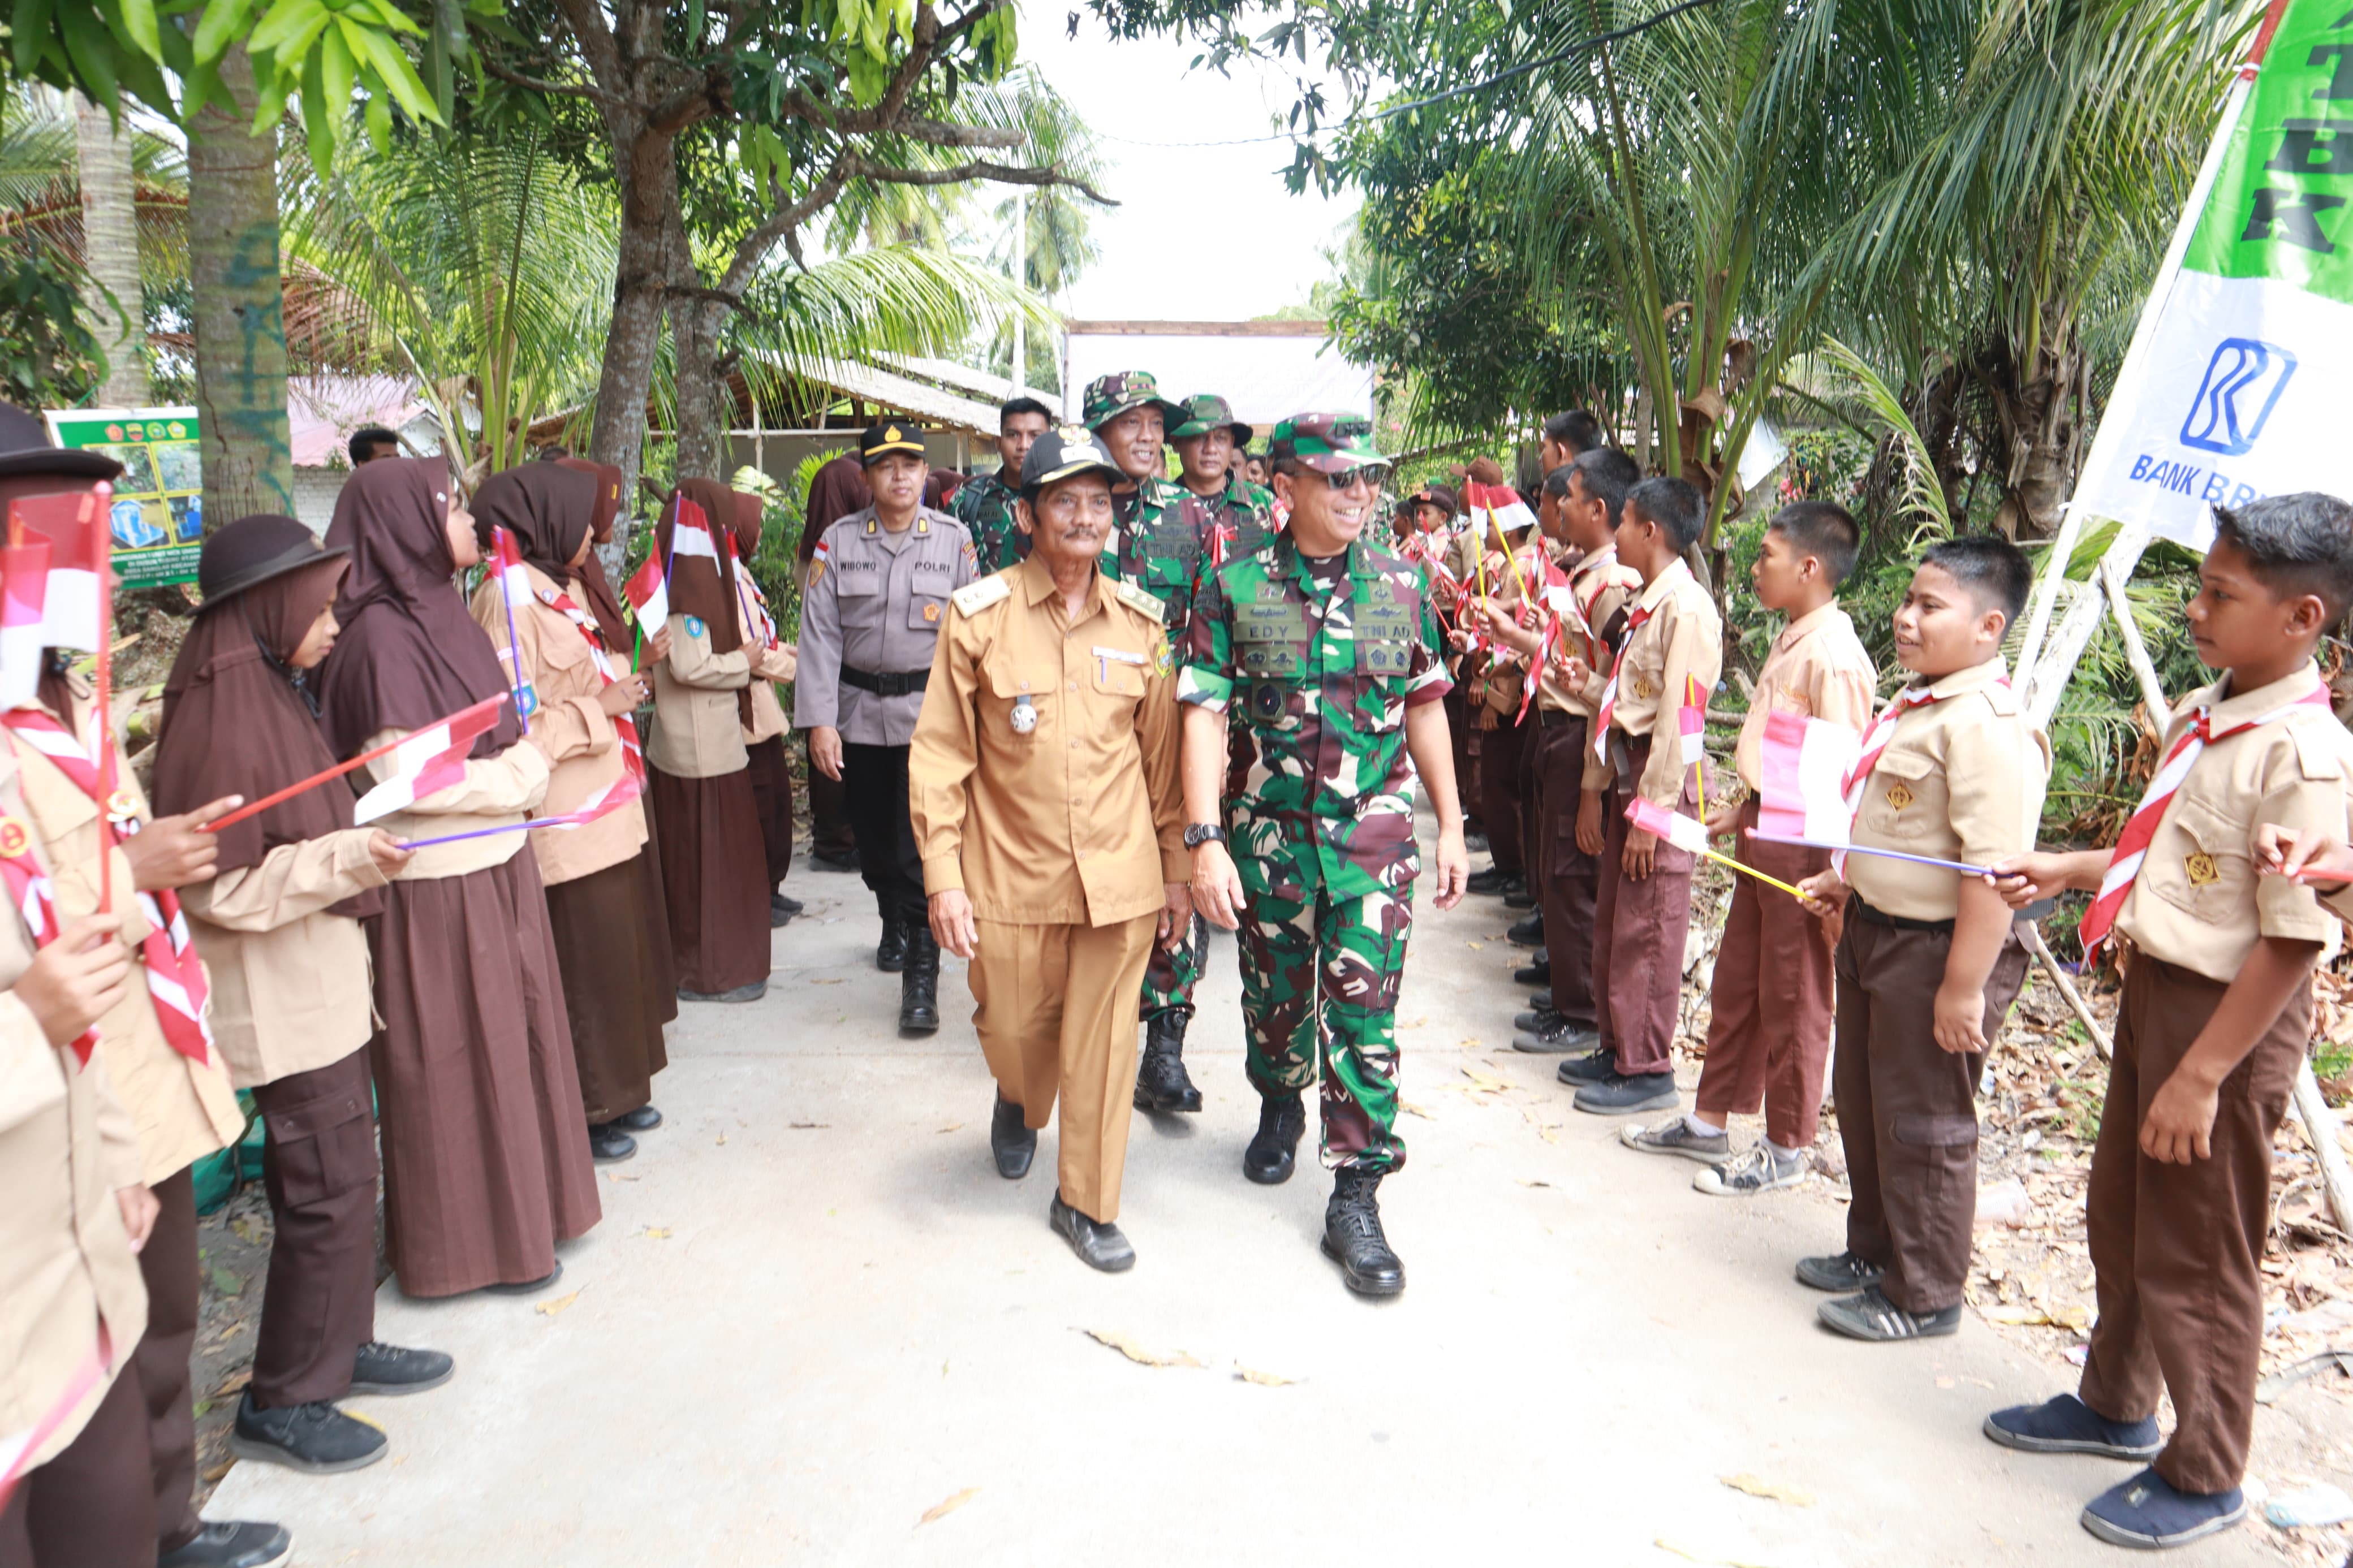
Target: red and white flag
{"x": 429, "y": 761}
{"x": 1685, "y": 833}
{"x": 1500, "y": 501}
{"x": 1805, "y": 764}
{"x": 612, "y": 798}
{"x": 506, "y": 566}
{"x": 74, "y": 523}
{"x": 1691, "y": 721}
{"x": 648, "y": 596}
{"x": 690, "y": 533}
{"x": 24, "y": 589}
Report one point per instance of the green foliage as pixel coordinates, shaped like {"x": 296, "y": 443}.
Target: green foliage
{"x": 48, "y": 359}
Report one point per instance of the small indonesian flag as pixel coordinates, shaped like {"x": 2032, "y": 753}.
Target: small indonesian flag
{"x": 690, "y": 533}
{"x": 506, "y": 566}
{"x": 1685, "y": 833}
{"x": 429, "y": 761}
{"x": 74, "y": 523}
{"x": 612, "y": 798}
{"x": 1805, "y": 764}
{"x": 648, "y": 596}
{"x": 23, "y": 588}
{"x": 1693, "y": 722}
{"x": 1504, "y": 503}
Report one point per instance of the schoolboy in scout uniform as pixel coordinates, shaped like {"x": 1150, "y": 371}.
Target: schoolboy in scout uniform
{"x": 2216, "y": 1017}
{"x": 1046, "y": 802}
{"x": 871, "y": 616}
{"x": 1928, "y": 964}
{"x": 1674, "y": 644}
{"x": 1330, "y": 646}
{"x": 984, "y": 503}
{"x": 1160, "y": 547}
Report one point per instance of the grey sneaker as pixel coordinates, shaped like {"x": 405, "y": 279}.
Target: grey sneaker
{"x": 1674, "y": 1136}
{"x": 1757, "y": 1170}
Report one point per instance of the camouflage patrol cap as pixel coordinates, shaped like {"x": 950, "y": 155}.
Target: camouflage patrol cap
{"x": 1065, "y": 453}
{"x": 1330, "y": 443}
{"x": 1204, "y": 412}
{"x": 1109, "y": 397}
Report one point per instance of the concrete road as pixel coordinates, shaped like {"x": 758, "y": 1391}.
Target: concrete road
{"x": 814, "y": 1314}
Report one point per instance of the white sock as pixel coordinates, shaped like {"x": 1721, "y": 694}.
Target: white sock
{"x": 1779, "y": 1154}
{"x": 1698, "y": 1129}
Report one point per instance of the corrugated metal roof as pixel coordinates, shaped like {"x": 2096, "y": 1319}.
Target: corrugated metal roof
{"x": 905, "y": 393}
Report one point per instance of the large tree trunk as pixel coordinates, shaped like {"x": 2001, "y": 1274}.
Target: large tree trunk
{"x": 109, "y": 229}
{"x": 650, "y": 220}
{"x": 240, "y": 327}
{"x": 702, "y": 396}
{"x": 2037, "y": 407}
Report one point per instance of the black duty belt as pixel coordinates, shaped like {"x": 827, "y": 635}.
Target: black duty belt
{"x": 1557, "y": 718}
{"x": 886, "y": 682}
{"x": 1878, "y": 917}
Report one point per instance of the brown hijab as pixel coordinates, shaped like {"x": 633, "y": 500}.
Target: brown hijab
{"x": 549, "y": 510}
{"x": 839, "y": 490}
{"x": 410, "y": 655}
{"x": 695, "y": 588}
{"x": 237, "y": 719}
{"x": 602, "y": 601}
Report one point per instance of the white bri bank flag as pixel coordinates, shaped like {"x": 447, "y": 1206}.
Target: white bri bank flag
{"x": 2244, "y": 372}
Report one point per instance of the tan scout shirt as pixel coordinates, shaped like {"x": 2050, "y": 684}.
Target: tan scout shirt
{"x": 769, "y": 666}
{"x": 495, "y": 792}
{"x": 570, "y": 728}
{"x": 1961, "y": 779}
{"x": 1817, "y": 668}
{"x": 1077, "y": 819}
{"x": 66, "y": 1264}
{"x": 1601, "y": 587}
{"x": 698, "y": 727}
{"x": 183, "y": 1108}
{"x": 290, "y": 985}
{"x": 2201, "y": 900}
{"x": 1683, "y": 640}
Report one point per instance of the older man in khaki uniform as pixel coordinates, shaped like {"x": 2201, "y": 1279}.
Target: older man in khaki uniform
{"x": 1046, "y": 802}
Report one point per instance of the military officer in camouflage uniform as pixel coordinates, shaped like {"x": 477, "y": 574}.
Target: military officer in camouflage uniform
{"x": 984, "y": 504}
{"x": 1236, "y": 516}
{"x": 1330, "y": 646}
{"x": 1158, "y": 547}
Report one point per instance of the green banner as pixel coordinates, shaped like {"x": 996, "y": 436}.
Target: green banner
{"x": 2281, "y": 206}
{"x": 158, "y": 517}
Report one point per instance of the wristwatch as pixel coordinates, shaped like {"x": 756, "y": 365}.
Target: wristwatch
{"x": 1199, "y": 832}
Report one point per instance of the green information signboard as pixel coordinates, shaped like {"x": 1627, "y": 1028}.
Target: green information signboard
{"x": 158, "y": 517}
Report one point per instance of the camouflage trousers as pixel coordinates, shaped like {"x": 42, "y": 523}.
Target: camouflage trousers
{"x": 1174, "y": 972}
{"x": 1320, "y": 979}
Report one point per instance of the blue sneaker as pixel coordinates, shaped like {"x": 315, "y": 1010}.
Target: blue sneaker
{"x": 2146, "y": 1511}
{"x": 2068, "y": 1425}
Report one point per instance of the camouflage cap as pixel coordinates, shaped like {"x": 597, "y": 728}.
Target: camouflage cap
{"x": 1063, "y": 453}
{"x": 1204, "y": 412}
{"x": 1109, "y": 397}
{"x": 1331, "y": 443}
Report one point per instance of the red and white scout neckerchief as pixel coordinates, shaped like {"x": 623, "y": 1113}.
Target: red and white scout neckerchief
{"x": 2132, "y": 848}
{"x": 1874, "y": 742}
{"x": 29, "y": 889}
{"x": 756, "y": 611}
{"x": 1635, "y": 620}
{"x": 175, "y": 975}
{"x": 633, "y": 754}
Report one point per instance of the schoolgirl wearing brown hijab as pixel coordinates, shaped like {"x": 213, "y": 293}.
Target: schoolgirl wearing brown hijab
{"x": 764, "y": 733}
{"x": 714, "y": 867}
{"x": 486, "y": 1161}
{"x": 278, "y": 926}
{"x": 604, "y": 894}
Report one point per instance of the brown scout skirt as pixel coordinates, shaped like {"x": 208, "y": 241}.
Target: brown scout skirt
{"x": 711, "y": 861}
{"x": 612, "y": 950}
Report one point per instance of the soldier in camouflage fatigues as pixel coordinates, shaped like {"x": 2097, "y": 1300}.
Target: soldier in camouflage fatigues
{"x": 984, "y": 503}
{"x": 1337, "y": 663}
{"x": 1158, "y": 547}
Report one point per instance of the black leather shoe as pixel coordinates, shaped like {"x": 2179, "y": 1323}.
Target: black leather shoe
{"x": 1011, "y": 1140}
{"x": 1098, "y": 1243}
{"x": 232, "y": 1543}
{"x": 1528, "y": 932}
{"x": 1353, "y": 1238}
{"x": 608, "y": 1145}
{"x": 1273, "y": 1153}
{"x": 835, "y": 859}
{"x": 1591, "y": 1067}
{"x": 315, "y": 1438}
{"x": 1538, "y": 971}
{"x": 1489, "y": 882}
{"x": 529, "y": 1287}
{"x": 919, "y": 986}
{"x": 644, "y": 1118}
{"x": 380, "y": 1368}
{"x": 781, "y": 911}
{"x": 1519, "y": 897}
{"x": 891, "y": 952}
{"x": 1161, "y": 1081}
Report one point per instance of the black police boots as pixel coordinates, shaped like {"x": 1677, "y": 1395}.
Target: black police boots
{"x": 891, "y": 953}
{"x": 1353, "y": 1238}
{"x": 1161, "y": 1082}
{"x": 1272, "y": 1149}
{"x": 919, "y": 984}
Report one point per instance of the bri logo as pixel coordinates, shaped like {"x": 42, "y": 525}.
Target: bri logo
{"x": 2242, "y": 386}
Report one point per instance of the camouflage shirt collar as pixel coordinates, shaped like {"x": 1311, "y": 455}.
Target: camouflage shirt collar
{"x": 1287, "y": 559}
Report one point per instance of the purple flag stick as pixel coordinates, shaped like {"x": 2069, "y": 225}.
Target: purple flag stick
{"x": 1965, "y": 870}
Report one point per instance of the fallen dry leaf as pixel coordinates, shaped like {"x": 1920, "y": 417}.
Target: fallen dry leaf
{"x": 1525, "y": 1183}
{"x": 723, "y": 1137}
{"x": 657, "y": 1233}
{"x": 1476, "y": 946}
{"x": 2040, "y": 1316}
{"x": 1263, "y": 1379}
{"x": 1757, "y": 1486}
{"x": 1415, "y": 1022}
{"x": 1410, "y": 1109}
{"x": 1483, "y": 1084}
{"x": 232, "y": 1383}
{"x": 953, "y": 1127}
{"x": 947, "y": 1506}
{"x": 808, "y": 1126}
{"x": 549, "y": 1308}
{"x": 1137, "y": 1352}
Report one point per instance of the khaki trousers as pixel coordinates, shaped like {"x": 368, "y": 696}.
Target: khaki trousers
{"x": 1057, "y": 1019}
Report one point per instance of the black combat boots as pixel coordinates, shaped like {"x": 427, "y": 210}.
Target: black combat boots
{"x": 1161, "y": 1081}
{"x": 1280, "y": 1120}
{"x": 1353, "y": 1238}
{"x": 891, "y": 952}
{"x": 919, "y": 984}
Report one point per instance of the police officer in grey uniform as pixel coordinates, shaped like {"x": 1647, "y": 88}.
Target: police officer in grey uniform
{"x": 877, "y": 595}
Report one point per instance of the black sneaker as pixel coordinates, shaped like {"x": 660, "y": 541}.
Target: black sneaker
{"x": 1520, "y": 897}
{"x": 2149, "y": 1511}
{"x": 1626, "y": 1094}
{"x": 1758, "y": 1169}
{"x": 1489, "y": 882}
{"x": 1557, "y": 1037}
{"x": 1536, "y": 972}
{"x": 644, "y": 1118}
{"x": 1542, "y": 1001}
{"x": 1840, "y": 1271}
{"x": 1475, "y": 840}
{"x": 1872, "y": 1316}
{"x": 1536, "y": 1020}
{"x": 1099, "y": 1243}
{"x": 1591, "y": 1067}
{"x": 380, "y": 1368}
{"x": 1528, "y": 932}
{"x": 1674, "y": 1136}
{"x": 608, "y": 1145}
{"x": 2067, "y": 1426}
{"x": 232, "y": 1543}
{"x": 315, "y": 1438}
{"x": 835, "y": 859}
{"x": 781, "y": 911}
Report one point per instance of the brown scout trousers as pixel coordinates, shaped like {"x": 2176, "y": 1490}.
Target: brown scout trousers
{"x": 1637, "y": 941}
{"x": 160, "y": 1365}
{"x": 1769, "y": 1032}
{"x": 2175, "y": 1246}
{"x": 1907, "y": 1107}
{"x": 93, "y": 1506}
{"x": 1057, "y": 1017}
{"x": 318, "y": 1166}
{"x": 1571, "y": 878}
{"x": 1499, "y": 788}
{"x": 1464, "y": 734}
